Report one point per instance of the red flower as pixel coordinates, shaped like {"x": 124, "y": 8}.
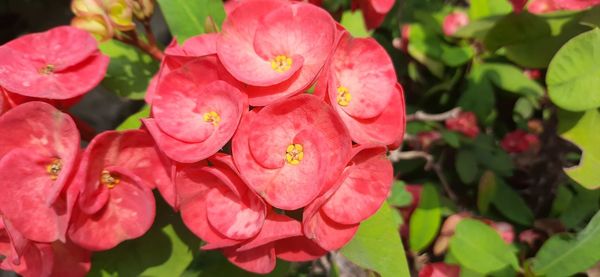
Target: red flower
{"x": 574, "y": 5}
{"x": 216, "y": 204}
{"x": 453, "y": 22}
{"x": 116, "y": 175}
{"x": 196, "y": 110}
{"x": 519, "y": 141}
{"x": 276, "y": 47}
{"x": 176, "y": 56}
{"x": 505, "y": 230}
{"x": 61, "y": 63}
{"x": 291, "y": 151}
{"x": 532, "y": 74}
{"x": 465, "y": 122}
{"x": 38, "y": 154}
{"x": 361, "y": 85}
{"x": 547, "y": 6}
{"x": 518, "y": 5}
{"x": 365, "y": 183}
{"x": 440, "y": 269}
{"x": 426, "y": 139}
{"x": 374, "y": 11}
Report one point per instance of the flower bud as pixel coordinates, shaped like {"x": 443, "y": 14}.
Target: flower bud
{"x": 142, "y": 9}
{"x": 120, "y": 14}
{"x": 95, "y": 24}
{"x": 86, "y": 7}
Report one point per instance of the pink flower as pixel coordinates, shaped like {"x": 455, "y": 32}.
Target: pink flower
{"x": 38, "y": 153}
{"x": 518, "y": 5}
{"x": 505, "y": 230}
{"x": 116, "y": 175}
{"x": 465, "y": 123}
{"x": 291, "y": 151}
{"x": 532, "y": 74}
{"x": 440, "y": 269}
{"x": 176, "y": 56}
{"x": 216, "y": 204}
{"x": 374, "y": 11}
{"x": 365, "y": 183}
{"x": 543, "y": 6}
{"x": 61, "y": 63}
{"x": 453, "y": 22}
{"x": 519, "y": 141}
{"x": 361, "y": 87}
{"x": 196, "y": 110}
{"x": 276, "y": 47}
{"x": 575, "y": 5}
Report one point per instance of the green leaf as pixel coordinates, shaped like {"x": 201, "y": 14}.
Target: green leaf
{"x": 511, "y": 78}
{"x": 510, "y": 204}
{"x": 479, "y": 248}
{"x": 377, "y": 245}
{"x": 354, "y": 23}
{"x": 452, "y": 138}
{"x": 129, "y": 71}
{"x": 466, "y": 166}
{"x": 399, "y": 197}
{"x": 486, "y": 191}
{"x": 592, "y": 17}
{"x": 166, "y": 250}
{"x": 485, "y": 8}
{"x": 565, "y": 256}
{"x": 479, "y": 94}
{"x": 456, "y": 56}
{"x": 426, "y": 219}
{"x": 490, "y": 156}
{"x": 425, "y": 47}
{"x": 562, "y": 200}
{"x": 573, "y": 73}
{"x": 582, "y": 130}
{"x": 186, "y": 18}
{"x": 477, "y": 28}
{"x": 532, "y": 40}
{"x": 584, "y": 204}
{"x": 133, "y": 121}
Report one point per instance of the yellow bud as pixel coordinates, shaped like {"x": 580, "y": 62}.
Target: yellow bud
{"x": 86, "y": 7}
{"x": 142, "y": 9}
{"x": 95, "y": 24}
{"x": 120, "y": 14}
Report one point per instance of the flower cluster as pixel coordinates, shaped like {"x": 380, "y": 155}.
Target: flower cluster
{"x": 465, "y": 123}
{"x": 261, "y": 136}
{"x": 264, "y": 170}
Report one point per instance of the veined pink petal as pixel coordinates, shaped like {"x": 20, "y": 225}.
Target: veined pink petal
{"x": 366, "y": 187}
{"x": 327, "y": 233}
{"x": 70, "y": 260}
{"x": 276, "y": 227}
{"x": 258, "y": 260}
{"x": 364, "y": 70}
{"x": 298, "y": 249}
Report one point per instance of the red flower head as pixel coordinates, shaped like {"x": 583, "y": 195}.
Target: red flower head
{"x": 216, "y": 204}
{"x": 440, "y": 270}
{"x": 116, "y": 175}
{"x": 374, "y": 11}
{"x": 276, "y": 47}
{"x": 518, "y": 5}
{"x": 519, "y": 141}
{"x": 453, "y": 22}
{"x": 365, "y": 183}
{"x": 361, "y": 86}
{"x": 28, "y": 258}
{"x": 543, "y": 6}
{"x": 37, "y": 156}
{"x": 176, "y": 56}
{"x": 61, "y": 63}
{"x": 465, "y": 122}
{"x": 291, "y": 151}
{"x": 196, "y": 110}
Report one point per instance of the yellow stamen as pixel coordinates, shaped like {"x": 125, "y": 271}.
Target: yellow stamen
{"x": 54, "y": 169}
{"x": 281, "y": 63}
{"x": 108, "y": 179}
{"x": 344, "y": 96}
{"x": 294, "y": 153}
{"x": 212, "y": 117}
{"x": 46, "y": 69}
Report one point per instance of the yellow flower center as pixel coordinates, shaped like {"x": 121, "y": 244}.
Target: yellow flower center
{"x": 54, "y": 168}
{"x": 107, "y": 179}
{"x": 294, "y": 153}
{"x": 343, "y": 96}
{"x": 281, "y": 63}
{"x": 212, "y": 117}
{"x": 46, "y": 69}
